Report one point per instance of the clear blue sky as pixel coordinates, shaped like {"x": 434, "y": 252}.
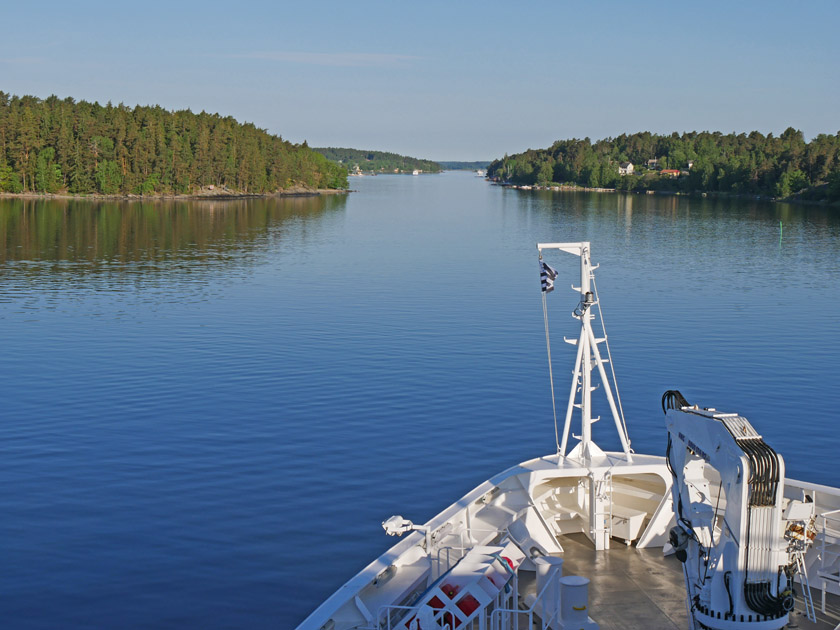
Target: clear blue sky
{"x": 442, "y": 80}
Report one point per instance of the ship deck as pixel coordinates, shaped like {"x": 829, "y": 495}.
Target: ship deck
{"x": 638, "y": 589}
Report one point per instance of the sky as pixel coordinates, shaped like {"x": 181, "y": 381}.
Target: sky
{"x": 452, "y": 80}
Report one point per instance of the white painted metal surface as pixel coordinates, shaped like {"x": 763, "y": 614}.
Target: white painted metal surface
{"x": 554, "y": 507}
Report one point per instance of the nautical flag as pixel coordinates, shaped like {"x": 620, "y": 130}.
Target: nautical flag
{"x": 547, "y": 276}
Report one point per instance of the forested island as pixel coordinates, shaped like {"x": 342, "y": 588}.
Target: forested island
{"x": 357, "y": 161}
{"x": 58, "y": 145}
{"x": 783, "y": 167}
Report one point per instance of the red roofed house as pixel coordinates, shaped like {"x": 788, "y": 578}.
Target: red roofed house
{"x": 673, "y": 172}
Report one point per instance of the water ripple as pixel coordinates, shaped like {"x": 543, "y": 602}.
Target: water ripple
{"x": 205, "y": 423}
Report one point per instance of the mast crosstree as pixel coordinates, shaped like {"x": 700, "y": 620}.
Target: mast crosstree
{"x": 588, "y": 359}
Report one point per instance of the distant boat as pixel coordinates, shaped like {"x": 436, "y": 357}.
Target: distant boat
{"x": 481, "y": 173}
{"x": 415, "y": 172}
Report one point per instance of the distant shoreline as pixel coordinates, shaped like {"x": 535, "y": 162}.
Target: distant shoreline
{"x": 672, "y": 193}
{"x": 212, "y": 194}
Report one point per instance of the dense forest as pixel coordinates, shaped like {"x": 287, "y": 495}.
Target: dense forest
{"x": 751, "y": 163}
{"x": 60, "y": 145}
{"x": 377, "y": 161}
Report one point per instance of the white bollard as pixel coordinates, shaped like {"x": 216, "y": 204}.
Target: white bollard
{"x": 549, "y": 571}
{"x": 574, "y": 601}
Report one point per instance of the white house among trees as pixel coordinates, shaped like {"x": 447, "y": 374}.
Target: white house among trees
{"x": 625, "y": 168}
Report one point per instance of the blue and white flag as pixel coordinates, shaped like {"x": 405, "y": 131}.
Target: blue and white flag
{"x": 547, "y": 276}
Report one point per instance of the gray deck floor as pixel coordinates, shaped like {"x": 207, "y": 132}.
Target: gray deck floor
{"x": 640, "y": 589}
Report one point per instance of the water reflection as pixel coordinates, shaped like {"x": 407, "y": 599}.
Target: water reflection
{"x": 168, "y": 367}
{"x": 122, "y": 257}
{"x": 681, "y": 206}
{"x": 130, "y": 232}
{"x": 704, "y": 293}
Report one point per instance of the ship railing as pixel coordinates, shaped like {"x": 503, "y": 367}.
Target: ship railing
{"x": 414, "y": 617}
{"x": 828, "y": 534}
{"x": 537, "y": 615}
{"x": 390, "y": 617}
{"x": 445, "y": 555}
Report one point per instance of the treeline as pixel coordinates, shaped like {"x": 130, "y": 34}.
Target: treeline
{"x": 704, "y": 162}
{"x": 377, "y": 161}
{"x": 59, "y": 145}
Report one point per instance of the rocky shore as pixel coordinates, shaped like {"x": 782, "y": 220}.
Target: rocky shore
{"x": 794, "y": 199}
{"x": 214, "y": 193}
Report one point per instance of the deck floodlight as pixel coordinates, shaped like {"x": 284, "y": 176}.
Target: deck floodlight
{"x": 397, "y": 526}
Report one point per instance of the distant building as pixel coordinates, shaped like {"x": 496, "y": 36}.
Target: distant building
{"x": 673, "y": 172}
{"x": 653, "y": 163}
{"x": 625, "y": 168}
{"x": 690, "y": 164}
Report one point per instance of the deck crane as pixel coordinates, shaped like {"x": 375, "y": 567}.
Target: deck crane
{"x": 734, "y": 528}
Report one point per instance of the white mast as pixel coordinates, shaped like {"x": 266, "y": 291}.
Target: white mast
{"x": 588, "y": 357}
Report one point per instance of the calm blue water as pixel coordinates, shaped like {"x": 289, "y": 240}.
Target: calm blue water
{"x": 209, "y": 408}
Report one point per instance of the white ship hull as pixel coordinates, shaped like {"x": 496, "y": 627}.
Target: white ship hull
{"x": 544, "y": 503}
{"x": 523, "y": 549}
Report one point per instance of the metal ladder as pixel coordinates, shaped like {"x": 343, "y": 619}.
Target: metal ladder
{"x": 799, "y": 557}
{"x": 603, "y": 490}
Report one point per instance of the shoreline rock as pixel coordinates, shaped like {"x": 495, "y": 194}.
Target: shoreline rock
{"x": 208, "y": 193}
{"x": 793, "y": 199}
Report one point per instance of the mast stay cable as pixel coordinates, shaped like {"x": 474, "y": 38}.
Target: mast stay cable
{"x": 609, "y": 357}
{"x": 550, "y": 372}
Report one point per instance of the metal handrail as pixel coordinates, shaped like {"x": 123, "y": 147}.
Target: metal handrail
{"x": 384, "y": 615}
{"x": 496, "y": 620}
{"x": 829, "y": 517}
{"x": 463, "y": 548}
{"x": 832, "y": 516}
{"x": 386, "y": 620}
